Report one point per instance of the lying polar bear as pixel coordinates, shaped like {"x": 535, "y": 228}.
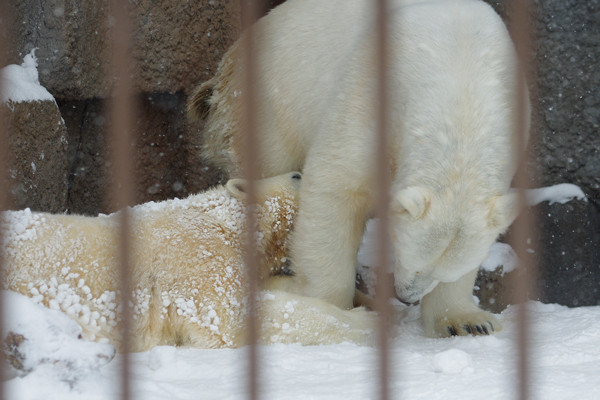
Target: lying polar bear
{"x": 189, "y": 284}
{"x": 453, "y": 76}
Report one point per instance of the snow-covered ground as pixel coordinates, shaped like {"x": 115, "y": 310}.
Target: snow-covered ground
{"x": 565, "y": 351}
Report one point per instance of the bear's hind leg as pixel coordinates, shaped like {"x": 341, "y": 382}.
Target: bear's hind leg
{"x": 449, "y": 310}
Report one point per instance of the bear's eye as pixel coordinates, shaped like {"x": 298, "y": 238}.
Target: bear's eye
{"x": 297, "y": 176}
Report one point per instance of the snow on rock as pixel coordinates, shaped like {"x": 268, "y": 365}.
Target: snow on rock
{"x": 36, "y": 336}
{"x": 20, "y": 83}
{"x": 500, "y": 255}
{"x": 561, "y": 193}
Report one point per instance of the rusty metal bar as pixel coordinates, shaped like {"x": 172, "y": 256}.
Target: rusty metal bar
{"x": 4, "y": 185}
{"x": 121, "y": 111}
{"x": 523, "y": 230}
{"x": 383, "y": 180}
{"x": 249, "y": 10}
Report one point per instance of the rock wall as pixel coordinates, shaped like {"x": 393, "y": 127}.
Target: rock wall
{"x": 37, "y": 149}
{"x": 565, "y": 146}
{"x": 166, "y": 151}
{"x": 177, "y": 45}
{"x": 568, "y": 148}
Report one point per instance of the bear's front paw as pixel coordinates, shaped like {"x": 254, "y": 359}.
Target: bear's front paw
{"x": 479, "y": 323}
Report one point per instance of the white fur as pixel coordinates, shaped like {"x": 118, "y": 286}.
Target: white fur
{"x": 453, "y": 77}
{"x": 189, "y": 285}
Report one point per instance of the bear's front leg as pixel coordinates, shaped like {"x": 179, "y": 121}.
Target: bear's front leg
{"x": 449, "y": 310}
{"x": 325, "y": 243}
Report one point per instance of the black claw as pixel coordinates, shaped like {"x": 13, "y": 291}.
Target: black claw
{"x": 491, "y": 326}
{"x": 478, "y": 328}
{"x": 485, "y": 329}
{"x": 468, "y": 329}
{"x": 452, "y": 331}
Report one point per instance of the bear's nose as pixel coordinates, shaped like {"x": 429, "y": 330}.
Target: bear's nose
{"x": 297, "y": 176}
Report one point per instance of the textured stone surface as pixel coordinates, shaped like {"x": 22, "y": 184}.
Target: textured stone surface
{"x": 568, "y": 148}
{"x": 71, "y": 40}
{"x": 565, "y": 145}
{"x": 86, "y": 125}
{"x": 179, "y": 43}
{"x": 176, "y": 43}
{"x": 569, "y": 270}
{"x": 493, "y": 290}
{"x": 37, "y": 155}
{"x": 569, "y": 93}
{"x": 165, "y": 151}
{"x": 562, "y": 257}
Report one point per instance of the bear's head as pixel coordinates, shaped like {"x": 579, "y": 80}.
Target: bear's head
{"x": 276, "y": 206}
{"x": 440, "y": 236}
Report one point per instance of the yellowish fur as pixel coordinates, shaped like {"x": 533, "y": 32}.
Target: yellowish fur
{"x": 189, "y": 284}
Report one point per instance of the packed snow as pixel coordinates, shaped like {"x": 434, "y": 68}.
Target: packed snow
{"x": 565, "y": 351}
{"x": 42, "y": 338}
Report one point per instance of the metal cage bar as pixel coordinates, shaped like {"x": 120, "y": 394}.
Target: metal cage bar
{"x": 121, "y": 111}
{"x": 3, "y": 175}
{"x": 382, "y": 179}
{"x": 523, "y": 226}
{"x": 249, "y": 10}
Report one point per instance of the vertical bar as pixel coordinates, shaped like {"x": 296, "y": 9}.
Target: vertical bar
{"x": 249, "y": 10}
{"x": 522, "y": 227}
{"x": 121, "y": 124}
{"x": 383, "y": 290}
{"x": 4, "y": 185}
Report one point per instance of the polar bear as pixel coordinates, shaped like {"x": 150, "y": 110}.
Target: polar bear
{"x": 453, "y": 86}
{"x": 188, "y": 281}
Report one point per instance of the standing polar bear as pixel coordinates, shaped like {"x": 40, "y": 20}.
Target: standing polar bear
{"x": 452, "y": 83}
{"x": 188, "y": 280}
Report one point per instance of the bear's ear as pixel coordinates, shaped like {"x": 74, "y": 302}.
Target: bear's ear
{"x": 198, "y": 105}
{"x": 414, "y": 200}
{"x": 237, "y": 188}
{"x": 504, "y": 210}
